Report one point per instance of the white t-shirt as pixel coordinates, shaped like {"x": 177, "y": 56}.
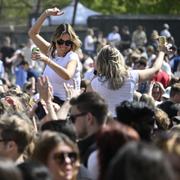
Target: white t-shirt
{"x": 93, "y": 165}
{"x": 1, "y": 69}
{"x": 56, "y": 81}
{"x": 116, "y": 97}
{"x": 89, "y": 44}
{"x": 114, "y": 37}
{"x": 165, "y": 33}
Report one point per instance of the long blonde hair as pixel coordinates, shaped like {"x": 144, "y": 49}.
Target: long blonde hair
{"x": 111, "y": 67}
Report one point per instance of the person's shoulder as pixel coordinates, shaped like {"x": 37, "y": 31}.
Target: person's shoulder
{"x": 71, "y": 55}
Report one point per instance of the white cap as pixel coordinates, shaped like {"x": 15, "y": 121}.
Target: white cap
{"x": 166, "y": 94}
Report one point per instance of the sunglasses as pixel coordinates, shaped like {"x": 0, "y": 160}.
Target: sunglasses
{"x": 61, "y": 157}
{"x": 72, "y": 118}
{"x": 67, "y": 43}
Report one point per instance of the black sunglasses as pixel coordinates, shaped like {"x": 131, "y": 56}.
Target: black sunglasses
{"x": 72, "y": 118}
{"x": 61, "y": 157}
{"x": 67, "y": 43}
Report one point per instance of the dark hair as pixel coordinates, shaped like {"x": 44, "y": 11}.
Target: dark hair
{"x": 112, "y": 137}
{"x": 61, "y": 126}
{"x": 91, "y": 102}
{"x": 140, "y": 161}
{"x": 33, "y": 170}
{"x": 137, "y": 115}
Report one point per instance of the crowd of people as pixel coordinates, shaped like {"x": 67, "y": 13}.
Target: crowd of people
{"x": 101, "y": 108}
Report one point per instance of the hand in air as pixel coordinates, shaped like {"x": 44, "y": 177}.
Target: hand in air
{"x": 44, "y": 88}
{"x": 54, "y": 12}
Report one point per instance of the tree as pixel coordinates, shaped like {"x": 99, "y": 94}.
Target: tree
{"x": 17, "y": 11}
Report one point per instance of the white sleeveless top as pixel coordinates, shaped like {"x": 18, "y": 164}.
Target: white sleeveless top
{"x": 56, "y": 81}
{"x": 116, "y": 97}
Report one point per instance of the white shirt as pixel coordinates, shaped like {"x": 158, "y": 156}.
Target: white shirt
{"x": 116, "y": 97}
{"x": 56, "y": 81}
{"x": 112, "y": 37}
{"x": 93, "y": 166}
{"x": 165, "y": 33}
{"x": 89, "y": 44}
{"x": 1, "y": 69}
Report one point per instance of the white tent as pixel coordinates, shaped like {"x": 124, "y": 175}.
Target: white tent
{"x": 82, "y": 14}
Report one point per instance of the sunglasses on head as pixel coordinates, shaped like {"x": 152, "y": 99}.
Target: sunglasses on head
{"x": 61, "y": 157}
{"x": 67, "y": 43}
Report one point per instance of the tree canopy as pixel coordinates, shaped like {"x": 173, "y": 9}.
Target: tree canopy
{"x": 17, "y": 11}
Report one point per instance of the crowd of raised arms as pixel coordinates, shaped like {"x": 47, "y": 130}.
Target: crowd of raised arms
{"x": 106, "y": 107}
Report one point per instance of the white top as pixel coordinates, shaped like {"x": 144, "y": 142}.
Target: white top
{"x": 93, "y": 165}
{"x": 114, "y": 37}
{"x": 165, "y": 33}
{"x": 89, "y": 74}
{"x": 166, "y": 67}
{"x": 56, "y": 81}
{"x": 89, "y": 44}
{"x": 1, "y": 69}
{"x": 116, "y": 97}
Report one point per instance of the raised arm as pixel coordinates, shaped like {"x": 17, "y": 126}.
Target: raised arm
{"x": 35, "y": 29}
{"x": 148, "y": 73}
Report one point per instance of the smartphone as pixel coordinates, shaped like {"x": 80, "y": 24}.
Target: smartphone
{"x": 40, "y": 111}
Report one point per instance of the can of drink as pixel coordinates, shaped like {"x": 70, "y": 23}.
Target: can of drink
{"x": 162, "y": 40}
{"x": 34, "y": 49}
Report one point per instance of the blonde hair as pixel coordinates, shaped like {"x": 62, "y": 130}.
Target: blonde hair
{"x": 65, "y": 29}
{"x": 111, "y": 67}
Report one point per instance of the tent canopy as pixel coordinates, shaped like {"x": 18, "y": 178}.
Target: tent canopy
{"x": 82, "y": 14}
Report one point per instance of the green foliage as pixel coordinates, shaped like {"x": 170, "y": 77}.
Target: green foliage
{"x": 17, "y": 11}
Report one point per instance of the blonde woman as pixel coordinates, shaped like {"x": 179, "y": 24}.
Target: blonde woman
{"x": 59, "y": 55}
{"x": 114, "y": 81}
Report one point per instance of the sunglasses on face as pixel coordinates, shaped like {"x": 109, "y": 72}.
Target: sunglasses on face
{"x": 73, "y": 117}
{"x": 67, "y": 43}
{"x": 61, "y": 157}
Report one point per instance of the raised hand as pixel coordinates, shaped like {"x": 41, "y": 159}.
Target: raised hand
{"x": 45, "y": 89}
{"x": 53, "y": 12}
{"x": 71, "y": 90}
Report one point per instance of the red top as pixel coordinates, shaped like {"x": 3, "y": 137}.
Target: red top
{"x": 162, "y": 77}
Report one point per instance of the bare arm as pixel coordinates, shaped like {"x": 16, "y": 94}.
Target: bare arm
{"x": 35, "y": 29}
{"x": 71, "y": 91}
{"x": 66, "y": 73}
{"x": 147, "y": 74}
